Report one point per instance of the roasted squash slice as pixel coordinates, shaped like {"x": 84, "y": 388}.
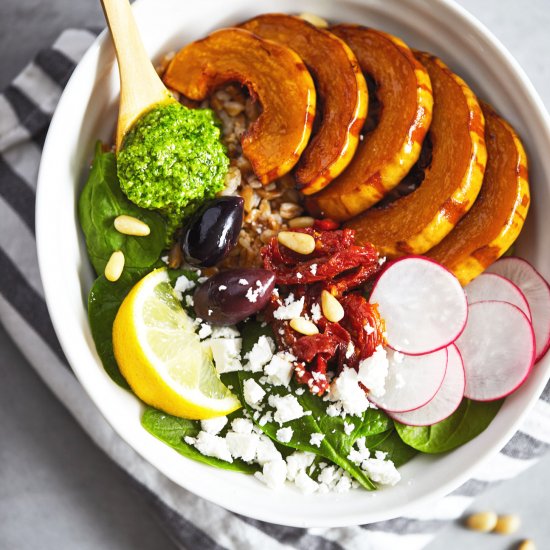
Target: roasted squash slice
{"x": 403, "y": 91}
{"x": 273, "y": 74}
{"x": 496, "y": 218}
{"x": 342, "y": 97}
{"x": 416, "y": 222}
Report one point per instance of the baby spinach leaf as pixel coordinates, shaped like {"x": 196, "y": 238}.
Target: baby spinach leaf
{"x": 103, "y": 302}
{"x": 390, "y": 442}
{"x": 173, "y": 430}
{"x": 468, "y": 421}
{"x": 100, "y": 203}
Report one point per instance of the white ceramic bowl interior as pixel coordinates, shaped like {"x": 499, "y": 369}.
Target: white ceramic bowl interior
{"x": 87, "y": 111}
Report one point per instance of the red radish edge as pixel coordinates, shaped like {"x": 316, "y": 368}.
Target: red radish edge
{"x": 395, "y": 313}
{"x": 520, "y": 299}
{"x": 445, "y": 401}
{"x": 511, "y": 268}
{"x": 475, "y": 364}
{"x": 418, "y": 385}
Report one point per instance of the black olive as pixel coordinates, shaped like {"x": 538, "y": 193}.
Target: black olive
{"x": 213, "y": 231}
{"x": 231, "y": 296}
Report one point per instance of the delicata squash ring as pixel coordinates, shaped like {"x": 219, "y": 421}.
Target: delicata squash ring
{"x": 415, "y": 223}
{"x": 341, "y": 91}
{"x": 387, "y": 153}
{"x": 273, "y": 74}
{"x": 496, "y": 218}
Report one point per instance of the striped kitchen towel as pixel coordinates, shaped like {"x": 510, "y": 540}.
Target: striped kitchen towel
{"x": 25, "y": 110}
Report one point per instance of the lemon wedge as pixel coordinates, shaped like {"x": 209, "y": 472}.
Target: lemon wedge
{"x": 161, "y": 356}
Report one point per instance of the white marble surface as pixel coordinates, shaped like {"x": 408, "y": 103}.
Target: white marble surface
{"x": 57, "y": 490}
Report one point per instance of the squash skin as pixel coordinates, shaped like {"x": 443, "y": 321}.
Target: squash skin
{"x": 389, "y": 151}
{"x": 416, "y": 222}
{"x": 341, "y": 90}
{"x": 497, "y": 217}
{"x": 274, "y": 74}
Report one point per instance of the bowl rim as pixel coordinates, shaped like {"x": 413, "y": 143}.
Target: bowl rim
{"x": 227, "y": 501}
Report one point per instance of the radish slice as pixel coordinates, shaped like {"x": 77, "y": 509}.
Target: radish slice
{"x": 537, "y": 293}
{"x": 422, "y": 303}
{"x": 445, "y": 401}
{"x": 498, "y": 350}
{"x": 490, "y": 286}
{"x": 412, "y": 380}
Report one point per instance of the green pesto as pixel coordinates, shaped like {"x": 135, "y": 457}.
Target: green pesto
{"x": 172, "y": 160}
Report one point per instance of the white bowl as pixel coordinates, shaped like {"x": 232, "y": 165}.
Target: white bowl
{"x": 87, "y": 111}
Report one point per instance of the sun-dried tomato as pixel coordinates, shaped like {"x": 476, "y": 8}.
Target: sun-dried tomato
{"x": 339, "y": 265}
{"x": 337, "y": 261}
{"x": 326, "y": 225}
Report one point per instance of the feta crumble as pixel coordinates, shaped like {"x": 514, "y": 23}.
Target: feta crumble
{"x": 205, "y": 331}
{"x": 212, "y": 445}
{"x": 242, "y": 445}
{"x": 226, "y": 353}
{"x": 348, "y": 428}
{"x": 286, "y": 408}
{"x": 291, "y": 309}
{"x": 373, "y": 372}
{"x": 273, "y": 473}
{"x": 284, "y": 435}
{"x": 214, "y": 425}
{"x": 253, "y": 392}
{"x": 183, "y": 284}
{"x": 316, "y": 438}
{"x": 313, "y": 269}
{"x": 279, "y": 370}
{"x": 260, "y": 354}
{"x": 346, "y": 389}
{"x": 316, "y": 314}
{"x": 243, "y": 282}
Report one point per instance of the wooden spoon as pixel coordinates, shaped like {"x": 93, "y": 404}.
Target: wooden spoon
{"x": 140, "y": 86}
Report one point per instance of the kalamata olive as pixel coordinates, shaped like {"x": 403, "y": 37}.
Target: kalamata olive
{"x": 232, "y": 296}
{"x": 213, "y": 231}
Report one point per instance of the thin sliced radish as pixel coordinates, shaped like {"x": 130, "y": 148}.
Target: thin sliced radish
{"x": 498, "y": 350}
{"x": 412, "y": 380}
{"x": 445, "y": 401}
{"x": 536, "y": 292}
{"x": 422, "y": 303}
{"x": 491, "y": 286}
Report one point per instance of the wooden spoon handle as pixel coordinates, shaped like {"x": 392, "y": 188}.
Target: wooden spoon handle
{"x": 140, "y": 85}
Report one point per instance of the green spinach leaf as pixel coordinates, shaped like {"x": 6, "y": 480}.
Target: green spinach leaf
{"x": 468, "y": 421}
{"x": 390, "y": 442}
{"x": 173, "y": 430}
{"x": 100, "y": 203}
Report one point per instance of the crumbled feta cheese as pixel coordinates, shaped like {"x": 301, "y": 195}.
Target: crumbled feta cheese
{"x": 202, "y": 280}
{"x": 266, "y": 451}
{"x": 205, "y": 331}
{"x": 253, "y": 392}
{"x": 213, "y": 445}
{"x": 225, "y": 332}
{"x": 345, "y": 388}
{"x": 284, "y": 435}
{"x": 226, "y": 353}
{"x": 165, "y": 259}
{"x": 343, "y": 485}
{"x": 373, "y": 372}
{"x": 350, "y": 350}
{"x": 381, "y": 471}
{"x": 222, "y": 288}
{"x": 252, "y": 294}
{"x": 348, "y": 427}
{"x": 242, "y": 426}
{"x": 313, "y": 269}
{"x": 316, "y": 438}
{"x": 183, "y": 284}
{"x": 243, "y": 282}
{"x": 273, "y": 473}
{"x": 291, "y": 309}
{"x": 267, "y": 417}
{"x": 279, "y": 370}
{"x": 214, "y": 425}
{"x": 299, "y": 391}
{"x": 189, "y": 301}
{"x": 382, "y": 261}
{"x": 286, "y": 408}
{"x": 260, "y": 354}
{"x": 334, "y": 409}
{"x": 242, "y": 445}
{"x": 298, "y": 462}
{"x": 299, "y": 275}
{"x": 368, "y": 329}
{"x": 305, "y": 483}
{"x": 316, "y": 314}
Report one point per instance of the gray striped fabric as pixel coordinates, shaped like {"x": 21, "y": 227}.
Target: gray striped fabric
{"x": 25, "y": 111}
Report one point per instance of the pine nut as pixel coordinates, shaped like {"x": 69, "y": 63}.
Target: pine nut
{"x": 527, "y": 545}
{"x": 114, "y": 267}
{"x": 483, "y": 521}
{"x": 128, "y": 225}
{"x": 298, "y": 242}
{"x": 302, "y": 221}
{"x": 314, "y": 20}
{"x": 303, "y": 326}
{"x": 507, "y": 524}
{"x": 332, "y": 308}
